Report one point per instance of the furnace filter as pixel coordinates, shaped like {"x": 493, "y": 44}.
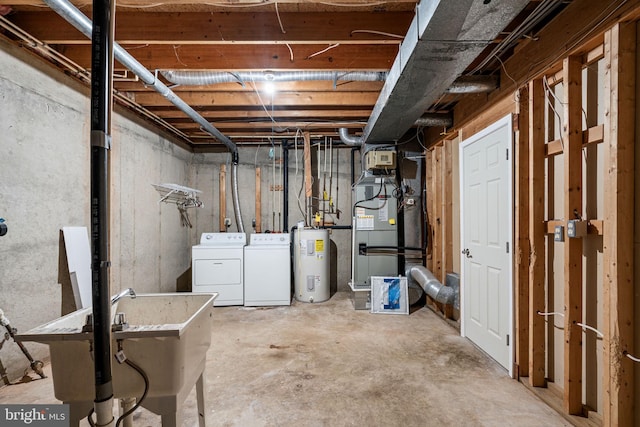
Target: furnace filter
{"x": 311, "y": 265}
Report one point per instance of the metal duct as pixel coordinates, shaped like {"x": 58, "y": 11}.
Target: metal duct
{"x": 444, "y": 38}
{"x": 83, "y": 24}
{"x": 435, "y": 119}
{"x": 349, "y": 139}
{"x": 234, "y": 193}
{"x": 201, "y": 78}
{"x": 426, "y": 120}
{"x": 431, "y": 285}
{"x": 474, "y": 84}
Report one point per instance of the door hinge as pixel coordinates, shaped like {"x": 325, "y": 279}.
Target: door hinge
{"x": 507, "y": 150}
{"x": 507, "y": 247}
{"x": 507, "y": 339}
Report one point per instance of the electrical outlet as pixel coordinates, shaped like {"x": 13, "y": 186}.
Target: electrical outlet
{"x": 558, "y": 233}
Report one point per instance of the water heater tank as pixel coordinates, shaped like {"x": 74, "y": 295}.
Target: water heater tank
{"x": 311, "y": 265}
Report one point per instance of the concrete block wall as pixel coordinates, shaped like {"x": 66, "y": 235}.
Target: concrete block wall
{"x": 44, "y": 186}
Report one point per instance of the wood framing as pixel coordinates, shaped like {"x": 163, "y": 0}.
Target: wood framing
{"x": 428, "y": 161}
{"x": 521, "y": 238}
{"x": 618, "y": 287}
{"x": 447, "y": 209}
{"x": 222, "y": 208}
{"x": 571, "y": 130}
{"x": 537, "y": 250}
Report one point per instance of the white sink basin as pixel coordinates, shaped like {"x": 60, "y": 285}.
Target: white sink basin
{"x": 168, "y": 337}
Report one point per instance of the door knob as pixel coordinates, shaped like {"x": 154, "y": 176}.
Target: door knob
{"x": 467, "y": 253}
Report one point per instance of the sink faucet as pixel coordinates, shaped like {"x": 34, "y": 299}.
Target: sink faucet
{"x": 127, "y": 292}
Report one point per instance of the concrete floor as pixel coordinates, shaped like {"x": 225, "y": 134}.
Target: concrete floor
{"x": 329, "y": 365}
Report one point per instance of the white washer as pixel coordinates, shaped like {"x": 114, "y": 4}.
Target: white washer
{"x": 218, "y": 266}
{"x": 267, "y": 270}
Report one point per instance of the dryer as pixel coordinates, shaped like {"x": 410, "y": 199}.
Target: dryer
{"x": 267, "y": 270}
{"x": 218, "y": 266}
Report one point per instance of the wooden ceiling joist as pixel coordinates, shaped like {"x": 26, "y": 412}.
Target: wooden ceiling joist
{"x": 155, "y": 28}
{"x": 250, "y": 57}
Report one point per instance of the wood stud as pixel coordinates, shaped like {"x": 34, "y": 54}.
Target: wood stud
{"x": 571, "y": 131}
{"x": 618, "y": 286}
{"x": 537, "y": 250}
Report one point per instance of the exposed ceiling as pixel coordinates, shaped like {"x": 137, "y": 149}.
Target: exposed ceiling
{"x": 265, "y": 37}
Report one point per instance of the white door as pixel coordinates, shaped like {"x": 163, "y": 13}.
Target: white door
{"x": 486, "y": 234}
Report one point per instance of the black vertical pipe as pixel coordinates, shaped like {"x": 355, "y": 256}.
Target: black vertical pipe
{"x": 285, "y": 186}
{"x": 101, "y": 71}
{"x": 353, "y": 164}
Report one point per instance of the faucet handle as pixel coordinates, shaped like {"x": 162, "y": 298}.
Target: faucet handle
{"x": 88, "y": 323}
{"x": 119, "y": 322}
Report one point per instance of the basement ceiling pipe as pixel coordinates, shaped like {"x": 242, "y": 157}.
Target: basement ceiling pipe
{"x": 202, "y": 78}
{"x": 431, "y": 285}
{"x": 463, "y": 84}
{"x": 76, "y": 18}
{"x": 427, "y": 120}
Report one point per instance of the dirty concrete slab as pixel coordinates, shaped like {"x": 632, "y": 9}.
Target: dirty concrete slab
{"x": 329, "y": 365}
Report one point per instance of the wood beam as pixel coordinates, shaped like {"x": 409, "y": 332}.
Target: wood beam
{"x": 139, "y": 28}
{"x": 248, "y": 57}
{"x": 618, "y": 287}
{"x": 572, "y": 137}
{"x": 251, "y": 99}
{"x": 537, "y": 250}
{"x": 220, "y": 3}
{"x": 177, "y": 116}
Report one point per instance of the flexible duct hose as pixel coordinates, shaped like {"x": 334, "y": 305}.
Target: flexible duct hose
{"x": 431, "y": 285}
{"x": 234, "y": 193}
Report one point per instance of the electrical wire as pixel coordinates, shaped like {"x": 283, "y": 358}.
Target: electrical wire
{"x": 145, "y": 378}
{"x": 382, "y": 186}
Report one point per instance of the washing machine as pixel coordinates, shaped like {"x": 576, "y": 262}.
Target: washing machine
{"x": 218, "y": 266}
{"x": 267, "y": 270}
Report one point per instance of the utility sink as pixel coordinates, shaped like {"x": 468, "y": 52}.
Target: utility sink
{"x": 167, "y": 335}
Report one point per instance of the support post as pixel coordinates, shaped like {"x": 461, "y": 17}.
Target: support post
{"x": 537, "y": 252}
{"x": 618, "y": 286}
{"x": 521, "y": 158}
{"x": 572, "y": 153}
